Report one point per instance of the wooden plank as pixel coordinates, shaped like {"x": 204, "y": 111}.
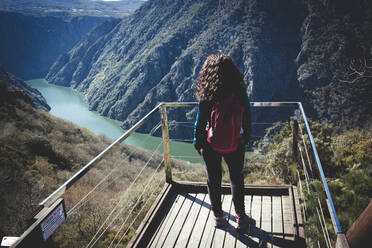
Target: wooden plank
{"x": 277, "y": 231}
{"x": 220, "y": 233}
{"x": 249, "y": 189}
{"x": 209, "y": 231}
{"x": 256, "y": 214}
{"x": 189, "y": 225}
{"x": 153, "y": 217}
{"x": 242, "y": 238}
{"x": 230, "y": 234}
{"x": 167, "y": 225}
{"x": 179, "y": 220}
{"x": 201, "y": 220}
{"x": 160, "y": 229}
{"x": 266, "y": 221}
{"x": 287, "y": 218}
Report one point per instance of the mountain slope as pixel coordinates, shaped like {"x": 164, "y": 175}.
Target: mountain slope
{"x": 335, "y": 61}
{"x": 156, "y": 54}
{"x": 287, "y": 51}
{"x": 34, "y": 94}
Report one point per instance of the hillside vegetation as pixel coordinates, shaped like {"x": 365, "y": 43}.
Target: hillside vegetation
{"x": 347, "y": 164}
{"x": 39, "y": 152}
{"x": 314, "y": 51}
{"x": 155, "y": 55}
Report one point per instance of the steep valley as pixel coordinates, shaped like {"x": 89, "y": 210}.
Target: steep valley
{"x": 286, "y": 50}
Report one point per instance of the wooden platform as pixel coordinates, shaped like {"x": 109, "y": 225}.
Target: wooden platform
{"x": 182, "y": 217}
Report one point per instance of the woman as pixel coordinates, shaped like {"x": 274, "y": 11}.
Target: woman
{"x": 223, "y": 109}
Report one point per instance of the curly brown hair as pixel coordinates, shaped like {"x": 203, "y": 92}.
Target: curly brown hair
{"x": 219, "y": 78}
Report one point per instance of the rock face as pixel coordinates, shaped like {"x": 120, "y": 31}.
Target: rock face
{"x": 156, "y": 54}
{"x": 36, "y": 97}
{"x": 285, "y": 49}
{"x": 30, "y": 44}
{"x": 334, "y": 66}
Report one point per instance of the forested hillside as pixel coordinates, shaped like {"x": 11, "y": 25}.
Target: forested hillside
{"x": 157, "y": 53}
{"x": 317, "y": 52}
{"x": 39, "y": 152}
{"x": 34, "y": 94}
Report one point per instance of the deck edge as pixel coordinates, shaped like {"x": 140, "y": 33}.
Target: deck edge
{"x": 144, "y": 230}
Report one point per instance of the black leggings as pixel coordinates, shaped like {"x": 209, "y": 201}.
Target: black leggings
{"x": 235, "y": 163}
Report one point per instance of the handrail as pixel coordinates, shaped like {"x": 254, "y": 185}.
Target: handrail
{"x": 61, "y": 190}
{"x": 320, "y": 168}
{"x": 162, "y": 108}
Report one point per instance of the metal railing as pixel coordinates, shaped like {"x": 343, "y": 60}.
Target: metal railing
{"x": 47, "y": 205}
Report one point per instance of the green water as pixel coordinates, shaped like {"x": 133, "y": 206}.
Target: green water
{"x": 70, "y": 105}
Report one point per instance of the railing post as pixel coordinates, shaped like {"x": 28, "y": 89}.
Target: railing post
{"x": 296, "y": 118}
{"x": 166, "y": 145}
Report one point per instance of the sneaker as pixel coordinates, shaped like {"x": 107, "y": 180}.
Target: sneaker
{"x": 220, "y": 221}
{"x": 243, "y": 221}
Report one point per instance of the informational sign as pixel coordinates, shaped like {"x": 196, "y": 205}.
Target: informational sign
{"x": 53, "y": 221}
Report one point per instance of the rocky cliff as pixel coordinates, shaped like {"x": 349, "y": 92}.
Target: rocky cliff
{"x": 334, "y": 66}
{"x": 30, "y": 44}
{"x": 286, "y": 50}
{"x": 156, "y": 54}
{"x": 33, "y": 94}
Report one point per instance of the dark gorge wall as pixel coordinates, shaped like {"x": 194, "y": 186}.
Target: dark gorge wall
{"x": 287, "y": 50}
{"x": 30, "y": 44}
{"x": 156, "y": 54}
{"x": 34, "y": 95}
{"x": 335, "y": 62}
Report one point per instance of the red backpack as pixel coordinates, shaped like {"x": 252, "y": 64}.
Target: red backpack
{"x": 225, "y": 125}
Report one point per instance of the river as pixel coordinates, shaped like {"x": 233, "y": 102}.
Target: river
{"x": 70, "y": 105}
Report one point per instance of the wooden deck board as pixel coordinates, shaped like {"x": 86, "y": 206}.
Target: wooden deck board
{"x": 220, "y": 234}
{"x": 166, "y": 226}
{"x": 266, "y": 220}
{"x": 287, "y": 218}
{"x": 230, "y": 235}
{"x": 179, "y": 220}
{"x": 188, "y": 221}
{"x": 209, "y": 231}
{"x": 256, "y": 215}
{"x": 201, "y": 225}
{"x": 277, "y": 218}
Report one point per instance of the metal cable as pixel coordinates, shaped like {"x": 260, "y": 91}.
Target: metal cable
{"x": 311, "y": 195}
{"x": 135, "y": 204}
{"x": 182, "y": 140}
{"x": 135, "y": 218}
{"x": 307, "y": 153}
{"x": 122, "y": 197}
{"x": 324, "y": 223}
{"x": 82, "y": 202}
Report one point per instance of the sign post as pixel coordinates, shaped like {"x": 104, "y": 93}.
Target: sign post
{"x": 47, "y": 221}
